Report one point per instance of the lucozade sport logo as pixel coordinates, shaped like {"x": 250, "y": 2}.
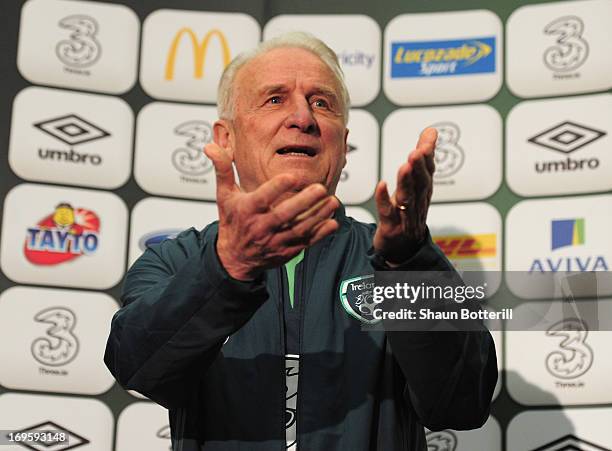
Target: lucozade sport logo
{"x": 62, "y": 236}
{"x": 443, "y": 58}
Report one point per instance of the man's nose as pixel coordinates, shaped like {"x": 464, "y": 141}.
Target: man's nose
{"x": 301, "y": 116}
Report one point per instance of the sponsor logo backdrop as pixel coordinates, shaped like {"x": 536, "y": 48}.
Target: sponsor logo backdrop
{"x": 106, "y": 104}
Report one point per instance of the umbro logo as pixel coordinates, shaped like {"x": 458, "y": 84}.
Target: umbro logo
{"x": 570, "y": 443}
{"x": 71, "y": 129}
{"x": 72, "y": 440}
{"x": 567, "y": 137}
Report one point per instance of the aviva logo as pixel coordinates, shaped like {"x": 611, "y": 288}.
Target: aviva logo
{"x": 199, "y": 51}
{"x": 567, "y": 232}
{"x": 468, "y": 246}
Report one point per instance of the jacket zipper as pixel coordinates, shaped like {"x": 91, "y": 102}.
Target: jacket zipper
{"x": 281, "y": 316}
{"x": 302, "y": 308}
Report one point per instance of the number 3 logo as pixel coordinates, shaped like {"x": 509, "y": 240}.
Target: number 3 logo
{"x": 571, "y": 49}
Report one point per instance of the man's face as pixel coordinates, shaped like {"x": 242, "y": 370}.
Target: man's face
{"x": 287, "y": 119}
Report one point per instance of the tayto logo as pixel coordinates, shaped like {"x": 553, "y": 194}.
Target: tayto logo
{"x": 566, "y": 137}
{"x": 457, "y": 247}
{"x": 72, "y": 440}
{"x": 344, "y": 175}
{"x": 62, "y": 236}
{"x": 157, "y": 237}
{"x": 82, "y": 49}
{"x": 570, "y": 51}
{"x": 356, "y": 295}
{"x": 354, "y": 58}
{"x": 72, "y": 130}
{"x": 443, "y": 58}
{"x": 574, "y": 356}
{"x": 441, "y": 441}
{"x": 568, "y": 233}
{"x": 570, "y": 443}
{"x": 190, "y": 160}
{"x": 199, "y": 51}
{"x": 449, "y": 156}
{"x": 60, "y": 346}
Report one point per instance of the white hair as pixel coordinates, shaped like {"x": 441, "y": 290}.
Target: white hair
{"x": 297, "y": 39}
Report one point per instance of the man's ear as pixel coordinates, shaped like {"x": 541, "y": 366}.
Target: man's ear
{"x": 223, "y": 135}
{"x": 346, "y": 132}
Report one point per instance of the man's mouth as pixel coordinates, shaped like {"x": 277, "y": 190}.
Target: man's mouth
{"x": 297, "y": 151}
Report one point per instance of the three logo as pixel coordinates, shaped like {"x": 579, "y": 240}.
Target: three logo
{"x": 571, "y": 50}
{"x": 574, "y": 356}
{"x": 449, "y": 156}
{"x": 82, "y": 49}
{"x": 441, "y": 441}
{"x": 190, "y": 160}
{"x": 60, "y": 345}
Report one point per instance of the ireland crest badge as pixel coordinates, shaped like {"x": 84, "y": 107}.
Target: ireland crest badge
{"x": 357, "y": 297}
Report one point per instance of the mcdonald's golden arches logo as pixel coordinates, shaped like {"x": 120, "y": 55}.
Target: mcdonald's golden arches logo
{"x": 199, "y": 51}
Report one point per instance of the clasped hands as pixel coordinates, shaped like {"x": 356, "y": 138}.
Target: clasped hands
{"x": 265, "y": 228}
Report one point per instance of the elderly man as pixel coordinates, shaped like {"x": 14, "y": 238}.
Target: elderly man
{"x": 239, "y": 329}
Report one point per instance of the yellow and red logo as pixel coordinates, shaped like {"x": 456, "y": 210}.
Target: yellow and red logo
{"x": 64, "y": 235}
{"x": 467, "y": 246}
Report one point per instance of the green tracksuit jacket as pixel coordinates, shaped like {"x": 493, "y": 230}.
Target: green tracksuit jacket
{"x": 357, "y": 390}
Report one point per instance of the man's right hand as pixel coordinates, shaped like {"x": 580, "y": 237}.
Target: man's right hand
{"x": 265, "y": 228}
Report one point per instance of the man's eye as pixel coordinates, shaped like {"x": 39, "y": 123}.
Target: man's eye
{"x": 274, "y": 100}
{"x": 320, "y": 103}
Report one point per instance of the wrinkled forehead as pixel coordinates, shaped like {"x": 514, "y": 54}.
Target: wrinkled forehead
{"x": 285, "y": 65}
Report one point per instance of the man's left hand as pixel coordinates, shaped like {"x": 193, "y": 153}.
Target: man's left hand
{"x": 402, "y": 216}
